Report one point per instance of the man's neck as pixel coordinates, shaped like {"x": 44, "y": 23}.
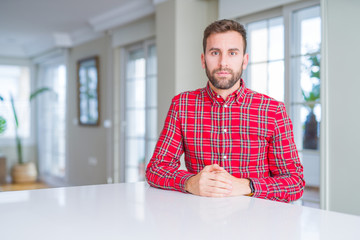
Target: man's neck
{"x": 224, "y": 93}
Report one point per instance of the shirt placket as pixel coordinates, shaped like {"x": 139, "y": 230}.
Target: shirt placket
{"x": 225, "y": 134}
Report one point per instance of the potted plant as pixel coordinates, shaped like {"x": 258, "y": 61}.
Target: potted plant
{"x": 2, "y": 121}
{"x": 310, "y": 140}
{"x": 2, "y": 157}
{"x": 23, "y": 171}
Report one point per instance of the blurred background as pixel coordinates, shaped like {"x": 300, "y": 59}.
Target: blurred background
{"x": 102, "y": 74}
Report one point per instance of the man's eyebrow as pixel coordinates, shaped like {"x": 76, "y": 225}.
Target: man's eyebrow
{"x": 229, "y": 50}
{"x": 214, "y": 49}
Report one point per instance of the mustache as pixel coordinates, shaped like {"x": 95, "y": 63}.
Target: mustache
{"x": 222, "y": 70}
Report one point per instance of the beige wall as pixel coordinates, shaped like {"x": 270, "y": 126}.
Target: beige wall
{"x": 179, "y": 29}
{"x": 340, "y": 76}
{"x": 86, "y": 144}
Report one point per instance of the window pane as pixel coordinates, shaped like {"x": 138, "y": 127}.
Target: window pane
{"x": 151, "y": 123}
{"x": 135, "y": 93}
{"x": 276, "y": 80}
{"x": 135, "y": 123}
{"x": 15, "y": 81}
{"x": 307, "y": 24}
{"x": 150, "y": 147}
{"x": 258, "y": 36}
{"x": 259, "y": 77}
{"x": 152, "y": 91}
{"x": 151, "y": 61}
{"x": 136, "y": 64}
{"x": 276, "y": 38}
{"x": 135, "y": 160}
{"x": 306, "y": 70}
{"x": 306, "y": 119}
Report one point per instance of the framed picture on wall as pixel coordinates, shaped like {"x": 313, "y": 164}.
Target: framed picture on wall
{"x": 88, "y": 91}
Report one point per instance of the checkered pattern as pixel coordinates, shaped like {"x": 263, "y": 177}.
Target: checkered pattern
{"x": 248, "y": 134}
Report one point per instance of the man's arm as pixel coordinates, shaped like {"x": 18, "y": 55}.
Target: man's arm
{"x": 286, "y": 181}
{"x": 162, "y": 170}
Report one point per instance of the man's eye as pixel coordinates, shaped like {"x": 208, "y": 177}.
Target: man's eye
{"x": 232, "y": 53}
{"x": 215, "y": 53}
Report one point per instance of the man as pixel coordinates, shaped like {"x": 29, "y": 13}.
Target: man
{"x": 236, "y": 141}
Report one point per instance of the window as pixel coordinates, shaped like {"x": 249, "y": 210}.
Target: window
{"x": 284, "y": 63}
{"x": 52, "y": 121}
{"x": 305, "y": 92}
{"x": 140, "y": 109}
{"x": 15, "y": 82}
{"x": 266, "y": 63}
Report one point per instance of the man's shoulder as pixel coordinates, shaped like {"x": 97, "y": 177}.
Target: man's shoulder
{"x": 189, "y": 95}
{"x": 259, "y": 98}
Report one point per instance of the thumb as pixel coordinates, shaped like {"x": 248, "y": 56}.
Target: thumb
{"x": 216, "y": 167}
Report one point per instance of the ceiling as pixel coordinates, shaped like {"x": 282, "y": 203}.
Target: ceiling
{"x": 31, "y": 27}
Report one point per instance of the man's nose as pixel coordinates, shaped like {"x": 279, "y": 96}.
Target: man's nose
{"x": 223, "y": 61}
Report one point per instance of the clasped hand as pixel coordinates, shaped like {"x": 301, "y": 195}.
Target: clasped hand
{"x": 215, "y": 181}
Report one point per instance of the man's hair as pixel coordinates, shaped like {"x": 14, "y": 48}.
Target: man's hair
{"x": 222, "y": 26}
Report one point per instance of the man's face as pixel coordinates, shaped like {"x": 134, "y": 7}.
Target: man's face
{"x": 224, "y": 60}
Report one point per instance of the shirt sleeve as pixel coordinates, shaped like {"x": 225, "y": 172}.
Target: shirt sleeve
{"x": 162, "y": 170}
{"x": 286, "y": 181}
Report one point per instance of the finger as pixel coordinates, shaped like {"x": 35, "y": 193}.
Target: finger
{"x": 219, "y": 184}
{"x": 221, "y": 177}
{"x": 216, "y": 167}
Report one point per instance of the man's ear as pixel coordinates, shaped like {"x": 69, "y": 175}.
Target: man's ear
{"x": 245, "y": 61}
{"x": 203, "y": 61}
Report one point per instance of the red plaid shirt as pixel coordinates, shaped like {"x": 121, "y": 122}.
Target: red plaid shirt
{"x": 248, "y": 134}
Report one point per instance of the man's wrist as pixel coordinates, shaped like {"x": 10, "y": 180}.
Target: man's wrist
{"x": 252, "y": 189}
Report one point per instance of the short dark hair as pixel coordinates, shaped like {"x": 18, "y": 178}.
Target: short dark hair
{"x": 222, "y": 26}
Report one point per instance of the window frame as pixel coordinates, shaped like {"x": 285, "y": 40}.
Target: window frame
{"x": 120, "y": 167}
{"x": 59, "y": 57}
{"x": 31, "y": 140}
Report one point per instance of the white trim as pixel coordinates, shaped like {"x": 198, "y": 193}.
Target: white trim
{"x": 50, "y": 57}
{"x": 84, "y": 35}
{"x": 120, "y": 16}
{"x": 276, "y": 12}
{"x": 109, "y": 113}
{"x": 156, "y": 2}
{"x": 324, "y": 128}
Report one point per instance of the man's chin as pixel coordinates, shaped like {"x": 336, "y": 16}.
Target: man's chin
{"x": 223, "y": 84}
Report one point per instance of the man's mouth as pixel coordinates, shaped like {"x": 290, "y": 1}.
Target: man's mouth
{"x": 222, "y": 73}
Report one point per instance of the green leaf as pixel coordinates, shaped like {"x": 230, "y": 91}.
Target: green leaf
{"x": 2, "y": 125}
{"x": 14, "y": 111}
{"x": 39, "y": 91}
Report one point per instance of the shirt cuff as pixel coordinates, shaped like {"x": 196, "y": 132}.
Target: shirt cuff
{"x": 181, "y": 179}
{"x": 260, "y": 187}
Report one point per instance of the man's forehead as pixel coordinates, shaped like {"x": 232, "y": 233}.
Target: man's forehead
{"x": 225, "y": 41}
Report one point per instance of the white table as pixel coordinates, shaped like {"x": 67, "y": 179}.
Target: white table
{"x": 137, "y": 211}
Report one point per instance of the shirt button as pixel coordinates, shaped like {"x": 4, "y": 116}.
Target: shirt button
{"x": 225, "y": 105}
{"x": 218, "y": 96}
{"x": 224, "y": 130}
{"x": 224, "y": 157}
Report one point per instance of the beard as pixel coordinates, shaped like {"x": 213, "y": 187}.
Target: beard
{"x": 223, "y": 82}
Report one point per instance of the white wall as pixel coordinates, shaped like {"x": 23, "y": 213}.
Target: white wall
{"x": 341, "y": 85}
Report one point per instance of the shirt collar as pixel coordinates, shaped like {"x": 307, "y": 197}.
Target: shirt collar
{"x": 236, "y": 96}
